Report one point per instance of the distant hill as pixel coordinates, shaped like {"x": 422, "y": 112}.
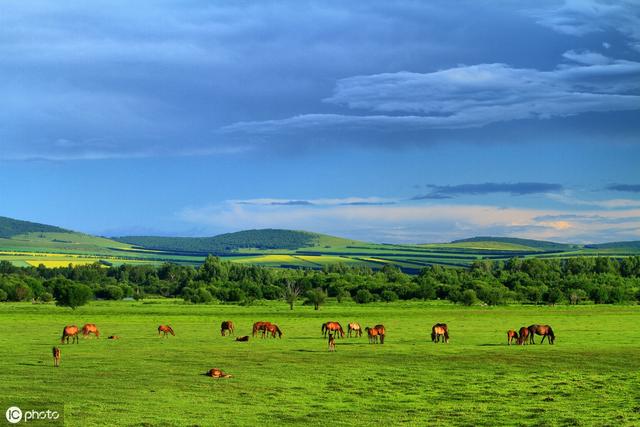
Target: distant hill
{"x": 635, "y": 245}
{"x": 230, "y": 242}
{"x": 529, "y": 243}
{"x": 12, "y": 227}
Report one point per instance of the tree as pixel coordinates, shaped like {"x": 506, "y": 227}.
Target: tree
{"x": 317, "y": 297}
{"x": 363, "y": 296}
{"x": 72, "y": 295}
{"x": 469, "y": 297}
{"x": 291, "y": 293}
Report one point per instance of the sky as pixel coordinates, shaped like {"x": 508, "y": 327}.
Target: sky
{"x": 405, "y": 121}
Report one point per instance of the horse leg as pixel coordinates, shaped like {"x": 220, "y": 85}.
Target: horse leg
{"x": 543, "y": 337}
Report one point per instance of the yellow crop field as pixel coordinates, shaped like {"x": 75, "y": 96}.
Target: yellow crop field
{"x": 272, "y": 259}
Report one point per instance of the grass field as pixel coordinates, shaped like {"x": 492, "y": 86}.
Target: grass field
{"x": 589, "y": 377}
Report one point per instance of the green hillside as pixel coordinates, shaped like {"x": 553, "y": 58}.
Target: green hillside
{"x": 267, "y": 239}
{"x": 632, "y": 245}
{"x": 520, "y": 243}
{"x": 12, "y": 227}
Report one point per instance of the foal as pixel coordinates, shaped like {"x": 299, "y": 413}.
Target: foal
{"x": 332, "y": 343}
{"x": 56, "y": 356}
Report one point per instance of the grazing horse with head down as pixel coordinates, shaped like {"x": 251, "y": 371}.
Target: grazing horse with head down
{"x": 166, "y": 329}
{"x": 90, "y": 328}
{"x": 372, "y": 333}
{"x": 70, "y": 332}
{"x": 544, "y": 330}
{"x": 381, "y": 332}
{"x": 272, "y": 329}
{"x": 440, "y": 330}
{"x": 512, "y": 335}
{"x": 227, "y": 326}
{"x": 260, "y": 327}
{"x": 334, "y": 327}
{"x": 355, "y": 328}
{"x": 56, "y": 356}
{"x": 523, "y": 335}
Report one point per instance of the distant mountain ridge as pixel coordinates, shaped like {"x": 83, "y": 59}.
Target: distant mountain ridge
{"x": 10, "y": 227}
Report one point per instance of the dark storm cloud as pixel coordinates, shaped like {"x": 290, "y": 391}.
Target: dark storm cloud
{"x": 515, "y": 189}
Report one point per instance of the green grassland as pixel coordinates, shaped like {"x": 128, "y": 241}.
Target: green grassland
{"x": 591, "y": 376}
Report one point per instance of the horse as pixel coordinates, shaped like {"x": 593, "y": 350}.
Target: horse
{"x": 227, "y": 326}
{"x": 332, "y": 342}
{"x": 56, "y": 356}
{"x": 523, "y": 334}
{"x": 113, "y": 337}
{"x": 512, "y": 335}
{"x": 372, "y": 333}
{"x": 244, "y": 338}
{"x": 334, "y": 327}
{"x": 273, "y": 329}
{"x": 440, "y": 330}
{"x": 70, "y": 332}
{"x": 260, "y": 326}
{"x": 544, "y": 330}
{"x": 355, "y": 328}
{"x": 90, "y": 328}
{"x": 381, "y": 331}
{"x": 217, "y": 373}
{"x": 166, "y": 329}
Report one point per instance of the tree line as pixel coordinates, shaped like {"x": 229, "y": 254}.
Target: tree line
{"x": 574, "y": 280}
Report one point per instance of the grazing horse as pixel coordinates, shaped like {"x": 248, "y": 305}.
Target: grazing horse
{"x": 523, "y": 334}
{"x": 332, "y": 342}
{"x": 90, "y": 328}
{"x": 512, "y": 335}
{"x": 56, "y": 356}
{"x": 373, "y": 335}
{"x": 227, "y": 326}
{"x": 381, "y": 332}
{"x": 166, "y": 329}
{"x": 334, "y": 327}
{"x": 70, "y": 332}
{"x": 440, "y": 330}
{"x": 217, "y": 373}
{"x": 544, "y": 330}
{"x": 244, "y": 338}
{"x": 273, "y": 329}
{"x": 355, "y": 328}
{"x": 260, "y": 327}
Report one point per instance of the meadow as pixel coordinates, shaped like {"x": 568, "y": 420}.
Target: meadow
{"x": 591, "y": 376}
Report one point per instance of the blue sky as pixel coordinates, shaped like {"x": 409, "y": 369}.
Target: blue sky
{"x": 390, "y": 122}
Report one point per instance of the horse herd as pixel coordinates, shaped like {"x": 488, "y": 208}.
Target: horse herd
{"x": 330, "y": 330}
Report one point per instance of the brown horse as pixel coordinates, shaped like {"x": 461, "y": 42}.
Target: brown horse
{"x": 70, "y": 332}
{"x": 56, "y": 356}
{"x": 217, "y": 373}
{"x": 381, "y": 332}
{"x": 523, "y": 334}
{"x": 166, "y": 329}
{"x": 440, "y": 330}
{"x": 544, "y": 330}
{"x": 372, "y": 333}
{"x": 90, "y": 328}
{"x": 260, "y": 327}
{"x": 272, "y": 329}
{"x": 244, "y": 338}
{"x": 332, "y": 342}
{"x": 355, "y": 328}
{"x": 227, "y": 326}
{"x": 334, "y": 327}
{"x": 512, "y": 336}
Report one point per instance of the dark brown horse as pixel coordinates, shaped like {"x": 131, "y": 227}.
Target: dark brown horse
{"x": 56, "y": 356}
{"x": 381, "y": 332}
{"x": 227, "y": 326}
{"x": 272, "y": 329}
{"x": 523, "y": 335}
{"x": 332, "y": 342}
{"x": 440, "y": 330}
{"x": 544, "y": 330}
{"x": 243, "y": 339}
{"x": 512, "y": 336}
{"x": 333, "y": 327}
{"x": 72, "y": 332}
{"x": 166, "y": 329}
{"x": 90, "y": 328}
{"x": 372, "y": 333}
{"x": 260, "y": 327}
{"x": 355, "y": 328}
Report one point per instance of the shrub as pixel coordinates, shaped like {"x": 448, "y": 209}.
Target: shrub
{"x": 363, "y": 296}
{"x": 73, "y": 295}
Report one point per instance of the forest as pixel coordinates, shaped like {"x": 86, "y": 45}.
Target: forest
{"x": 530, "y": 280}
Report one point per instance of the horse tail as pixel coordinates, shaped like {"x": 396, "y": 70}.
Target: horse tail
{"x": 63, "y": 335}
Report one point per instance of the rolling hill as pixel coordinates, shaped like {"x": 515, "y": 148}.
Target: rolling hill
{"x": 10, "y": 227}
